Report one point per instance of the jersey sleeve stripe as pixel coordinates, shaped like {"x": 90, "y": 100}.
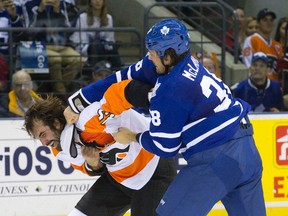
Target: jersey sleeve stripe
{"x": 118, "y": 76}
{"x": 166, "y": 135}
{"x": 159, "y": 146}
{"x": 209, "y": 133}
{"x": 140, "y": 162}
{"x": 129, "y": 73}
{"x": 192, "y": 124}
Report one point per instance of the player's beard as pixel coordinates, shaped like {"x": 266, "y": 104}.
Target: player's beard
{"x": 56, "y": 141}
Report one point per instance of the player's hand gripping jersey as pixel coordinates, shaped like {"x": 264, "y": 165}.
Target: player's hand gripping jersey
{"x": 191, "y": 132}
{"x": 130, "y": 165}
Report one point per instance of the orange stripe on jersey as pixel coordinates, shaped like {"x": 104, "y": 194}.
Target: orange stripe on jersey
{"x": 94, "y": 125}
{"x": 54, "y": 151}
{"x": 101, "y": 138}
{"x": 116, "y": 102}
{"x": 139, "y": 164}
{"x": 80, "y": 168}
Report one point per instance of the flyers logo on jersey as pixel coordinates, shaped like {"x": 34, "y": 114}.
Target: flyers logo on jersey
{"x": 104, "y": 116}
{"x": 247, "y": 51}
{"x": 282, "y": 145}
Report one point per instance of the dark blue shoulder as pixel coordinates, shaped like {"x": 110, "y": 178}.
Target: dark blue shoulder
{"x": 144, "y": 71}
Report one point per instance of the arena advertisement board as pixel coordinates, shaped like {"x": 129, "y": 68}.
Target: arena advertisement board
{"x": 34, "y": 183}
{"x": 33, "y": 57}
{"x": 32, "y": 180}
{"x": 271, "y": 136}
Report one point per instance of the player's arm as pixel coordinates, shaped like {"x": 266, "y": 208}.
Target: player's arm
{"x": 87, "y": 169}
{"x": 91, "y": 166}
{"x": 165, "y": 131}
{"x": 125, "y": 95}
{"x": 143, "y": 70}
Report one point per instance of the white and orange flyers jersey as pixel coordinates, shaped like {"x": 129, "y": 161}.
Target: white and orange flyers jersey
{"x": 272, "y": 48}
{"x": 130, "y": 165}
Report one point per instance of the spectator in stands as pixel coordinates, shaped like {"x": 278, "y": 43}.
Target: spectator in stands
{"x": 209, "y": 61}
{"x": 65, "y": 63}
{"x": 281, "y": 35}
{"x": 95, "y": 45}
{"x": 10, "y": 16}
{"x": 4, "y": 112}
{"x": 230, "y": 34}
{"x": 262, "y": 42}
{"x": 251, "y": 26}
{"x": 209, "y": 64}
{"x": 19, "y": 2}
{"x": 101, "y": 70}
{"x": 281, "y": 30}
{"x": 70, "y": 2}
{"x": 21, "y": 97}
{"x": 72, "y": 11}
{"x": 3, "y": 74}
{"x": 262, "y": 93}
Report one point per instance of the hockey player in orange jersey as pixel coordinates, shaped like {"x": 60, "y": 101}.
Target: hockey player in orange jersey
{"x": 130, "y": 177}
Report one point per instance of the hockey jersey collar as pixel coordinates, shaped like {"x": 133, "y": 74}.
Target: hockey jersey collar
{"x": 68, "y": 140}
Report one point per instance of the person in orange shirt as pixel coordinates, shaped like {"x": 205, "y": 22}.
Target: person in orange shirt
{"x": 261, "y": 41}
{"x": 131, "y": 177}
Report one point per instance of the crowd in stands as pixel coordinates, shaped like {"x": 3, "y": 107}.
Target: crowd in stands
{"x": 262, "y": 93}
{"x": 229, "y": 36}
{"x": 96, "y": 45}
{"x": 264, "y": 89}
{"x": 70, "y": 55}
{"x": 88, "y": 56}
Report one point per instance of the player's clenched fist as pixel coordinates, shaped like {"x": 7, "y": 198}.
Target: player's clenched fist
{"x": 124, "y": 136}
{"x": 70, "y": 116}
{"x": 91, "y": 156}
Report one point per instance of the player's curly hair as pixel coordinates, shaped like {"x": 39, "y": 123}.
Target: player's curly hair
{"x": 174, "y": 57}
{"x": 45, "y": 110}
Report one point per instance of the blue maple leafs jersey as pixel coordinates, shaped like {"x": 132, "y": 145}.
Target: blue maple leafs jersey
{"x": 191, "y": 109}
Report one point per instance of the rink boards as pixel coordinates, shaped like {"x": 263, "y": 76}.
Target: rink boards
{"x": 34, "y": 183}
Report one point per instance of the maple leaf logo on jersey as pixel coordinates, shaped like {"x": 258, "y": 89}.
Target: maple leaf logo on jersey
{"x": 165, "y": 30}
{"x": 150, "y": 96}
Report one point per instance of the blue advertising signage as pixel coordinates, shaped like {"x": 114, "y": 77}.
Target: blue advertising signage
{"x": 33, "y": 57}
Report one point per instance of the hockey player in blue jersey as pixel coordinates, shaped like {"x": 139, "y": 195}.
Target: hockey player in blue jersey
{"x": 194, "y": 113}
{"x": 262, "y": 93}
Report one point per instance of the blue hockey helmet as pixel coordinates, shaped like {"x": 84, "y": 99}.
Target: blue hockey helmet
{"x": 168, "y": 33}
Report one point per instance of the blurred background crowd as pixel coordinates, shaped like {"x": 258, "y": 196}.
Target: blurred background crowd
{"x": 58, "y": 46}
